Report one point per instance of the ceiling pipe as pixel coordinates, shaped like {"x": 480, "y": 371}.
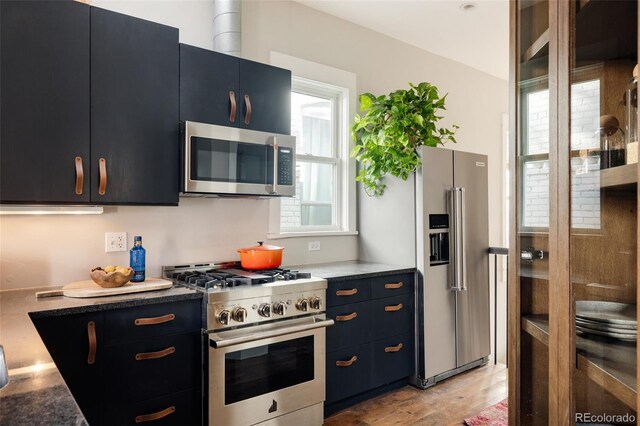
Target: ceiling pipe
{"x": 227, "y": 26}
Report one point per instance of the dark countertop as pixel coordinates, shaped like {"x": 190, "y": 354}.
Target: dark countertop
{"x": 36, "y": 393}
{"x": 352, "y": 270}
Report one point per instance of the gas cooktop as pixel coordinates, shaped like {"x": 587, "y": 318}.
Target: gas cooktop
{"x": 229, "y": 275}
{"x": 236, "y": 297}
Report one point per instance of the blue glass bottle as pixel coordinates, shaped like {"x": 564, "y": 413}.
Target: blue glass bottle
{"x": 137, "y": 259}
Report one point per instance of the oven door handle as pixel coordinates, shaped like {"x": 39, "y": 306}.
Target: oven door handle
{"x": 218, "y": 341}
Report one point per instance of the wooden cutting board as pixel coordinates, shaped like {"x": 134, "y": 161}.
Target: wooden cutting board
{"x": 88, "y": 288}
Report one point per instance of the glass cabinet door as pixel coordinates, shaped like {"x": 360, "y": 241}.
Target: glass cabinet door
{"x": 602, "y": 153}
{"x": 531, "y": 159}
{"x": 574, "y": 222}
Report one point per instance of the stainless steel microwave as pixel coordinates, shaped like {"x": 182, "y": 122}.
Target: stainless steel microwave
{"x": 219, "y": 160}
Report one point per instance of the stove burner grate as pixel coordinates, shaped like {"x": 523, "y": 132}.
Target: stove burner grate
{"x": 216, "y": 278}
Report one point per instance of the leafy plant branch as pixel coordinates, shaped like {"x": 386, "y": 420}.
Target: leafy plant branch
{"x": 390, "y": 130}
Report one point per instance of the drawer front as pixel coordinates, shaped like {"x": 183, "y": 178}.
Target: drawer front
{"x": 343, "y": 292}
{"x": 391, "y": 285}
{"x": 393, "y": 359}
{"x": 348, "y": 372}
{"x": 141, "y": 322}
{"x": 392, "y": 315}
{"x": 153, "y": 367}
{"x": 352, "y": 326}
{"x": 180, "y": 409}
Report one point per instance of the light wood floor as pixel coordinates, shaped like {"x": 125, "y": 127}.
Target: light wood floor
{"x": 447, "y": 403}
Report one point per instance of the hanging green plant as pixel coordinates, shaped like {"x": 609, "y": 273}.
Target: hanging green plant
{"x": 391, "y": 129}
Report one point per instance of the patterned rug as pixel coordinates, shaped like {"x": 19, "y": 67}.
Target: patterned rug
{"x": 496, "y": 415}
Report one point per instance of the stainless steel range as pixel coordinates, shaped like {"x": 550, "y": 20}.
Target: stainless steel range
{"x": 266, "y": 343}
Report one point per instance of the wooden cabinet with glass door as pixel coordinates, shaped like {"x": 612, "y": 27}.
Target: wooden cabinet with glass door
{"x": 573, "y": 283}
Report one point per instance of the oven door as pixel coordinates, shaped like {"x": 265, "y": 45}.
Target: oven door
{"x": 228, "y": 160}
{"x": 267, "y": 371}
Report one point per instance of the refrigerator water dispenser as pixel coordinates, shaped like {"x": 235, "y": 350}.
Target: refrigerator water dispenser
{"x": 438, "y": 239}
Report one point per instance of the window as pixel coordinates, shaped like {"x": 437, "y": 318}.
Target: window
{"x": 315, "y": 122}
{"x": 534, "y": 158}
{"x": 323, "y": 102}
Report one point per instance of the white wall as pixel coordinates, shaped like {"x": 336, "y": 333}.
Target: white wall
{"x": 475, "y": 100}
{"x": 37, "y": 251}
{"x": 194, "y": 18}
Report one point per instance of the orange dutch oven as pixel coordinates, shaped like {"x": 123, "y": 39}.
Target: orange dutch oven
{"x": 261, "y": 257}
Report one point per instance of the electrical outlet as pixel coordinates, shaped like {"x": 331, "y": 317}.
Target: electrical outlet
{"x": 314, "y": 245}
{"x": 115, "y": 241}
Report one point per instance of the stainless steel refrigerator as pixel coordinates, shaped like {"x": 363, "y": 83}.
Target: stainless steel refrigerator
{"x": 438, "y": 222}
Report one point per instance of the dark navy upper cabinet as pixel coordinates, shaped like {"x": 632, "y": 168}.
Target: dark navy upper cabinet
{"x": 134, "y": 110}
{"x": 266, "y": 97}
{"x": 89, "y": 106}
{"x": 44, "y": 107}
{"x": 209, "y": 86}
{"x": 220, "y": 89}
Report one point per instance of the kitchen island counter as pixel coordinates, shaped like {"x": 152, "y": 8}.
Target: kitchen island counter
{"x": 352, "y": 270}
{"x": 36, "y": 393}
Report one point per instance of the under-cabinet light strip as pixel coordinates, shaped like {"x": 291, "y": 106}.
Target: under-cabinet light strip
{"x": 49, "y": 210}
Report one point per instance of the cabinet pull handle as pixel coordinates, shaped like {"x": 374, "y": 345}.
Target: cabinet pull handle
{"x": 247, "y": 102}
{"x": 155, "y": 416}
{"x": 346, "y": 317}
{"x": 393, "y": 308}
{"x": 394, "y": 348}
{"x": 346, "y": 363}
{"x": 155, "y": 355}
{"x": 155, "y": 320}
{"x": 232, "y": 99}
{"x": 347, "y": 292}
{"x": 93, "y": 342}
{"x": 79, "y": 176}
{"x": 102, "y": 189}
{"x": 394, "y": 285}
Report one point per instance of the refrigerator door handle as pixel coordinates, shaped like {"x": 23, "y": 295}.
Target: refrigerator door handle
{"x": 459, "y": 239}
{"x": 463, "y": 240}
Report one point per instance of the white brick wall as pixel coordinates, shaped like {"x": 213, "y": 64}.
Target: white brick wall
{"x": 585, "y": 189}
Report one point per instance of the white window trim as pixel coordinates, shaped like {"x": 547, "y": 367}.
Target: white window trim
{"x": 310, "y": 72}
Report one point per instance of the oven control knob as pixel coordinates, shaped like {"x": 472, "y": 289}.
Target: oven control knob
{"x": 315, "y": 302}
{"x": 223, "y": 317}
{"x": 240, "y": 314}
{"x": 264, "y": 310}
{"x": 303, "y": 305}
{"x": 279, "y": 308}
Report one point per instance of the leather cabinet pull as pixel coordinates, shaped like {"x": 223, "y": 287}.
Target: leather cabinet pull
{"x": 347, "y": 363}
{"x": 394, "y": 348}
{"x": 155, "y": 320}
{"x": 155, "y": 416}
{"x": 394, "y": 285}
{"x": 393, "y": 308}
{"x": 93, "y": 342}
{"x": 79, "y": 176}
{"x": 155, "y": 355}
{"x": 247, "y": 102}
{"x": 346, "y": 317}
{"x": 232, "y": 99}
{"x": 102, "y": 189}
{"x": 347, "y": 292}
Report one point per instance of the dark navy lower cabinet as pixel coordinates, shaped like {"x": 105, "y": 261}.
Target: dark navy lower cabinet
{"x": 370, "y": 347}
{"x": 132, "y": 365}
{"x": 75, "y": 343}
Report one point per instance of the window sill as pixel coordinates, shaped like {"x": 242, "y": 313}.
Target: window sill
{"x": 310, "y": 234}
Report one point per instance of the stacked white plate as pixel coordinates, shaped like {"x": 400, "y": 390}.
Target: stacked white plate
{"x": 609, "y": 319}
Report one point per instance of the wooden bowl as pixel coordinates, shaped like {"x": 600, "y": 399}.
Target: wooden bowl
{"x": 110, "y": 279}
